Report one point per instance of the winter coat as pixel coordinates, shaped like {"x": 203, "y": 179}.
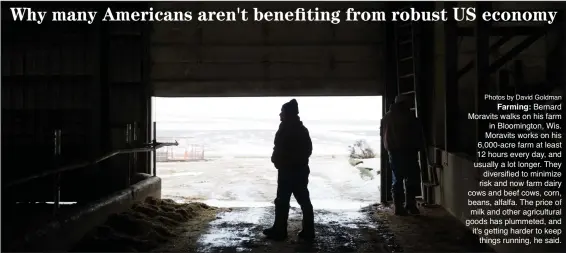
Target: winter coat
{"x": 292, "y": 146}
{"x": 400, "y": 129}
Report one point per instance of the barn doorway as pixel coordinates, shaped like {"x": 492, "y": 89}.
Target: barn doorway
{"x": 225, "y": 144}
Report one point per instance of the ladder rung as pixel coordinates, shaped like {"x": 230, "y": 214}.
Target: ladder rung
{"x": 407, "y": 75}
{"x": 413, "y": 109}
{"x": 406, "y": 58}
{"x": 407, "y": 92}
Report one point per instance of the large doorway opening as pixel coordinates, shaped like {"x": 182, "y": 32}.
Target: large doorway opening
{"x": 225, "y": 144}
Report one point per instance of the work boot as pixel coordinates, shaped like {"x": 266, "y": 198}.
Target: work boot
{"x": 275, "y": 233}
{"x": 307, "y": 233}
{"x": 413, "y": 209}
{"x": 400, "y": 210}
{"x": 398, "y": 199}
{"x": 411, "y": 204}
{"x": 278, "y": 231}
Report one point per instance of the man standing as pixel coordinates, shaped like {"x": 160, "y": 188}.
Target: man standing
{"x": 291, "y": 153}
{"x": 402, "y": 138}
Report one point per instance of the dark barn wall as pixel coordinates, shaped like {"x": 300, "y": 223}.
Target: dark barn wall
{"x": 533, "y": 59}
{"x": 453, "y": 100}
{"x": 85, "y": 80}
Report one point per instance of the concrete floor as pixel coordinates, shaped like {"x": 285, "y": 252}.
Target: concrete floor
{"x": 248, "y": 187}
{"x": 240, "y": 230}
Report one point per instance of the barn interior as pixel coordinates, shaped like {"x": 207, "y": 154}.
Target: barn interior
{"x": 77, "y": 131}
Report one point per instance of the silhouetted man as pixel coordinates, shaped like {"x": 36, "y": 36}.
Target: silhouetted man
{"x": 402, "y": 138}
{"x": 291, "y": 153}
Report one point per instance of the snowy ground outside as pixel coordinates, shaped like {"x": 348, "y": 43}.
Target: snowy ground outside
{"x": 333, "y": 182}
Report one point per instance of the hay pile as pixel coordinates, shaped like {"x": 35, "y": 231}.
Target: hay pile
{"x": 144, "y": 227}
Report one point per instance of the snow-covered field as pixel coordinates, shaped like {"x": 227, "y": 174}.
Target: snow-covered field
{"x": 334, "y": 183}
{"x": 245, "y": 143}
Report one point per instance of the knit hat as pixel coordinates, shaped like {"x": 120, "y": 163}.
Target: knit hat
{"x": 291, "y": 107}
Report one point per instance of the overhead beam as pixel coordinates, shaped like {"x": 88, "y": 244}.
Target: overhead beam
{"x": 493, "y": 47}
{"x": 263, "y": 61}
{"x": 322, "y": 92}
{"x": 255, "y": 89}
{"x": 260, "y": 78}
{"x": 270, "y": 45}
{"x": 534, "y": 33}
{"x": 514, "y": 52}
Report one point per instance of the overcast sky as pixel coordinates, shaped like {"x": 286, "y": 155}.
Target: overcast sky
{"x": 311, "y": 108}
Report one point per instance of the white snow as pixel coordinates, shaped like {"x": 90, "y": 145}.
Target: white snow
{"x": 245, "y": 182}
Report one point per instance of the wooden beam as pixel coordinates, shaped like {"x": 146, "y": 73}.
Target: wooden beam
{"x": 260, "y": 78}
{"x": 482, "y": 71}
{"x": 336, "y": 42}
{"x": 494, "y": 47}
{"x": 261, "y": 87}
{"x": 514, "y": 52}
